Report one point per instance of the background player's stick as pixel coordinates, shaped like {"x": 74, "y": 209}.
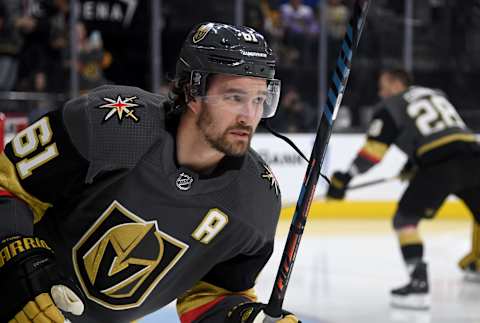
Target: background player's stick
{"x": 334, "y": 94}
{"x": 373, "y": 182}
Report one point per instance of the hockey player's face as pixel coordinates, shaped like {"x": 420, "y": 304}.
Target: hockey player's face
{"x": 231, "y": 112}
{"x": 385, "y": 86}
{"x": 389, "y": 86}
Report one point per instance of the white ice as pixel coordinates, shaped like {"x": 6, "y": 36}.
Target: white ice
{"x": 345, "y": 269}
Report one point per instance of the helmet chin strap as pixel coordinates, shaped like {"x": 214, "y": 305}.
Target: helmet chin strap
{"x": 264, "y": 123}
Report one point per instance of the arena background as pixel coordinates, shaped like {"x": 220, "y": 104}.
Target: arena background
{"x": 348, "y": 259}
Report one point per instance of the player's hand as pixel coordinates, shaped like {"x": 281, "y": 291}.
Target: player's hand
{"x": 408, "y": 171}
{"x": 253, "y": 313}
{"x": 33, "y": 288}
{"x": 338, "y": 185}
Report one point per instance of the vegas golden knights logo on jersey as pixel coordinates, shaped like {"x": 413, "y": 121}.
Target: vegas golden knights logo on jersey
{"x": 122, "y": 257}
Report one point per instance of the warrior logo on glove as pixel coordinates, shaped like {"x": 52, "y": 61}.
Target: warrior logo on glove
{"x": 37, "y": 290}
{"x": 16, "y": 245}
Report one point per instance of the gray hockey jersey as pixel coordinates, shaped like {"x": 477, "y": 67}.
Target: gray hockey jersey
{"x": 134, "y": 229}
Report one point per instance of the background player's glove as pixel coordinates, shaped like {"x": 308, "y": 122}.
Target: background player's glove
{"x": 33, "y": 288}
{"x": 338, "y": 185}
{"x": 408, "y": 171}
{"x": 253, "y": 313}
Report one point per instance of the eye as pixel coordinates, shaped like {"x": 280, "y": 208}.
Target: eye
{"x": 237, "y": 98}
{"x": 259, "y": 100}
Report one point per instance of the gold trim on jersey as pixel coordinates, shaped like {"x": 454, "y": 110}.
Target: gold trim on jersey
{"x": 203, "y": 293}
{"x": 9, "y": 181}
{"x": 408, "y": 237}
{"x": 374, "y": 148}
{"x": 444, "y": 141}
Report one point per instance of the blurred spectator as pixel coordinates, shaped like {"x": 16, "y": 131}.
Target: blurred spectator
{"x": 273, "y": 28}
{"x": 58, "y": 45}
{"x": 44, "y": 104}
{"x": 253, "y": 15}
{"x": 34, "y": 24}
{"x": 294, "y": 114}
{"x": 10, "y": 42}
{"x": 337, "y": 19}
{"x": 92, "y": 59}
{"x": 271, "y": 20}
{"x": 300, "y": 29}
{"x": 337, "y": 15}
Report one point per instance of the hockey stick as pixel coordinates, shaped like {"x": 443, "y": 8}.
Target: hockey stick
{"x": 373, "y": 182}
{"x": 370, "y": 183}
{"x": 334, "y": 97}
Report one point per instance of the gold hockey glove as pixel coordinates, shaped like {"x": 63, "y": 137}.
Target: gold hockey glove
{"x": 338, "y": 185}
{"x": 34, "y": 288}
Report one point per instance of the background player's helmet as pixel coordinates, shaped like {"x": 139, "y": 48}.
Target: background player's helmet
{"x": 215, "y": 48}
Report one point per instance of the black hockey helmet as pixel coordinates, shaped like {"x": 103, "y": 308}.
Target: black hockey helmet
{"x": 216, "y": 48}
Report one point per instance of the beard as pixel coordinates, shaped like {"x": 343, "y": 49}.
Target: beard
{"x": 221, "y": 141}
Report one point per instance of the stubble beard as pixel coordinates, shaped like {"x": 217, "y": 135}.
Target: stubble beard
{"x": 220, "y": 142}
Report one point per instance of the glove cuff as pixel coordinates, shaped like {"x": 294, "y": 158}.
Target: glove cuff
{"x": 16, "y": 248}
{"x": 348, "y": 177}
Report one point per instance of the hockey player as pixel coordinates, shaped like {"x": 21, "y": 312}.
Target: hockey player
{"x": 123, "y": 200}
{"x": 441, "y": 152}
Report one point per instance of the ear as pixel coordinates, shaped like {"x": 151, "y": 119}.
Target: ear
{"x": 194, "y": 105}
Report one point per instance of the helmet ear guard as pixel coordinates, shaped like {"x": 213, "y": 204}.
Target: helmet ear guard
{"x": 198, "y": 83}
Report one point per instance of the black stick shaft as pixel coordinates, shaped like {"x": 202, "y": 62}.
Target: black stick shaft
{"x": 373, "y": 182}
{"x": 334, "y": 98}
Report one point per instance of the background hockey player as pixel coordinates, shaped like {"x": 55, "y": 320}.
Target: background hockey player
{"x": 123, "y": 201}
{"x": 442, "y": 154}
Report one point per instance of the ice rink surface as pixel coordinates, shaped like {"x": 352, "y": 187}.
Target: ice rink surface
{"x": 346, "y": 268}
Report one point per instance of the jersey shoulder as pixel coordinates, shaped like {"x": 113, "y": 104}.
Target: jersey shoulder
{"x": 112, "y": 126}
{"x": 415, "y": 93}
{"x": 398, "y": 105}
{"x": 259, "y": 183}
{"x": 394, "y": 108}
{"x": 260, "y": 170}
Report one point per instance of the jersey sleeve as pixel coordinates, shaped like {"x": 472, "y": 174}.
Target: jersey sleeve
{"x": 382, "y": 132}
{"x": 226, "y": 285}
{"x": 113, "y": 126}
{"x": 40, "y": 166}
{"x": 108, "y": 129}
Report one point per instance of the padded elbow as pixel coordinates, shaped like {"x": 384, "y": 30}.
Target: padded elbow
{"x": 17, "y": 217}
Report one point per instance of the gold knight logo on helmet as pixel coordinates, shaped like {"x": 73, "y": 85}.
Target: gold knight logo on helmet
{"x": 201, "y": 32}
{"x": 122, "y": 257}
